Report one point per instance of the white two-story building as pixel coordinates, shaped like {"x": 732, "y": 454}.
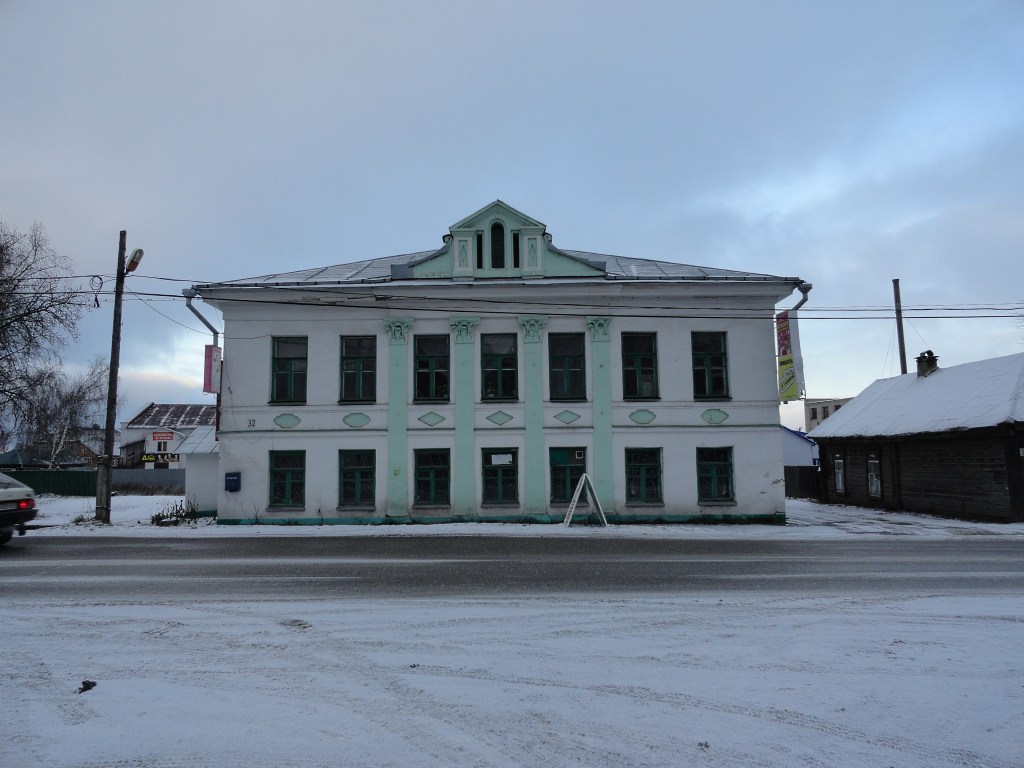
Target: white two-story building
{"x": 479, "y": 381}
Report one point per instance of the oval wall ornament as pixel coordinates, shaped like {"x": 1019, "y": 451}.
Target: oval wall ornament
{"x": 714, "y": 416}
{"x": 643, "y": 416}
{"x": 356, "y": 420}
{"x": 287, "y": 421}
{"x": 567, "y": 417}
{"x": 499, "y": 418}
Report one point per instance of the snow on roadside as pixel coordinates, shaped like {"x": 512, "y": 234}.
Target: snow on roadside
{"x": 131, "y": 516}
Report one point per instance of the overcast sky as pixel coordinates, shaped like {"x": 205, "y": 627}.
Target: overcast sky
{"x": 847, "y": 143}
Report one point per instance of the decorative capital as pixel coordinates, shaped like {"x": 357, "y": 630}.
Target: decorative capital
{"x": 599, "y": 327}
{"x": 532, "y": 326}
{"x": 463, "y": 327}
{"x": 397, "y": 330}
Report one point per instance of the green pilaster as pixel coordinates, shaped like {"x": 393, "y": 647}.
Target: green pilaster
{"x": 464, "y": 501}
{"x": 535, "y": 498}
{"x": 397, "y": 330}
{"x": 601, "y": 355}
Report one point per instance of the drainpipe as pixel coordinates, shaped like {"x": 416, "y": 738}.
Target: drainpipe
{"x": 189, "y": 294}
{"x": 804, "y": 288}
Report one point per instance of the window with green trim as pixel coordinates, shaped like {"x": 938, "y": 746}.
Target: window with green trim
{"x": 497, "y": 246}
{"x": 639, "y": 366}
{"x": 643, "y": 475}
{"x": 432, "y": 476}
{"x": 358, "y": 478}
{"x": 287, "y": 478}
{"x": 710, "y": 365}
{"x": 432, "y": 367}
{"x": 714, "y": 474}
{"x": 500, "y": 475}
{"x": 567, "y": 466}
{"x": 567, "y": 366}
{"x": 288, "y": 369}
{"x": 358, "y": 369}
{"x": 499, "y": 365}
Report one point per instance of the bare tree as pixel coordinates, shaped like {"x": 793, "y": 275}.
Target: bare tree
{"x": 62, "y": 410}
{"x": 39, "y": 313}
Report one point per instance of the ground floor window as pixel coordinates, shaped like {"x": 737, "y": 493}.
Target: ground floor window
{"x": 433, "y": 476}
{"x": 567, "y": 467}
{"x": 874, "y": 477}
{"x": 643, "y": 475}
{"x": 714, "y": 474}
{"x": 358, "y": 470}
{"x": 839, "y": 473}
{"x": 287, "y": 478}
{"x": 500, "y": 475}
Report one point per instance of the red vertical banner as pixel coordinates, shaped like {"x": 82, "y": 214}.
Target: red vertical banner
{"x": 211, "y": 370}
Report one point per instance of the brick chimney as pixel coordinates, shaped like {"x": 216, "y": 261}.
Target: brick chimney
{"x": 927, "y": 363}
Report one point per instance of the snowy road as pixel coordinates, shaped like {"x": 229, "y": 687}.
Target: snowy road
{"x": 309, "y": 568}
{"x": 914, "y": 671}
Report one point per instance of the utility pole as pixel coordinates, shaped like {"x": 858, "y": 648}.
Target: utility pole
{"x": 899, "y": 324}
{"x": 104, "y": 465}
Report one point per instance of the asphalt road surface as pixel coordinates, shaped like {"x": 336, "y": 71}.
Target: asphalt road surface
{"x": 181, "y": 569}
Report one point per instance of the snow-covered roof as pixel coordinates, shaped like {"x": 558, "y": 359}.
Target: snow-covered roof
{"x": 968, "y": 396}
{"x": 174, "y": 416}
{"x": 201, "y": 440}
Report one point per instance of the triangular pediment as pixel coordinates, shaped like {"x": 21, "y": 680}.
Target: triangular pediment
{"x": 499, "y": 241}
{"x": 498, "y": 210}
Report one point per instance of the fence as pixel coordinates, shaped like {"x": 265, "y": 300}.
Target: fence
{"x": 83, "y": 482}
{"x": 803, "y": 483}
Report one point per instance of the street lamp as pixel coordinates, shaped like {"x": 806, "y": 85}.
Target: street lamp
{"x": 104, "y": 463}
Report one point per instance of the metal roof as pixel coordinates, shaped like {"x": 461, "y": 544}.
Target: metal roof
{"x": 380, "y": 271}
{"x": 184, "y": 416}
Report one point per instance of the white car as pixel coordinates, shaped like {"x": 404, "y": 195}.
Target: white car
{"x": 17, "y": 507}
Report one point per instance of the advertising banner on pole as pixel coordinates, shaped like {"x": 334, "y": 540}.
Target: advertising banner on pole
{"x": 211, "y": 370}
{"x": 791, "y": 365}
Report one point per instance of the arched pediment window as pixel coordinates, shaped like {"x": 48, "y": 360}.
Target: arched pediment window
{"x": 497, "y": 245}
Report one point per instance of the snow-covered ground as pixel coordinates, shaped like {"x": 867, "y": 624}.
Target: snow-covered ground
{"x": 130, "y": 516}
{"x": 605, "y": 681}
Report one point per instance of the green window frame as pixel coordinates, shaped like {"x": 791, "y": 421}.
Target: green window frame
{"x": 567, "y": 366}
{"x": 358, "y": 369}
{"x": 432, "y": 361}
{"x": 500, "y": 470}
{"x": 640, "y": 366}
{"x": 497, "y": 245}
{"x": 287, "y": 478}
{"x": 357, "y": 478}
{"x": 499, "y": 366}
{"x": 567, "y": 466}
{"x": 288, "y": 369}
{"x": 710, "y": 365}
{"x": 715, "y": 475}
{"x": 432, "y": 476}
{"x": 643, "y": 475}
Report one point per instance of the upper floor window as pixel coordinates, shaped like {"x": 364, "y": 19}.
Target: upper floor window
{"x": 566, "y": 363}
{"x": 288, "y": 369}
{"x": 499, "y": 366}
{"x": 639, "y": 365}
{"x": 814, "y": 414}
{"x": 497, "y": 245}
{"x": 358, "y": 369}
{"x": 432, "y": 367}
{"x": 710, "y": 365}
